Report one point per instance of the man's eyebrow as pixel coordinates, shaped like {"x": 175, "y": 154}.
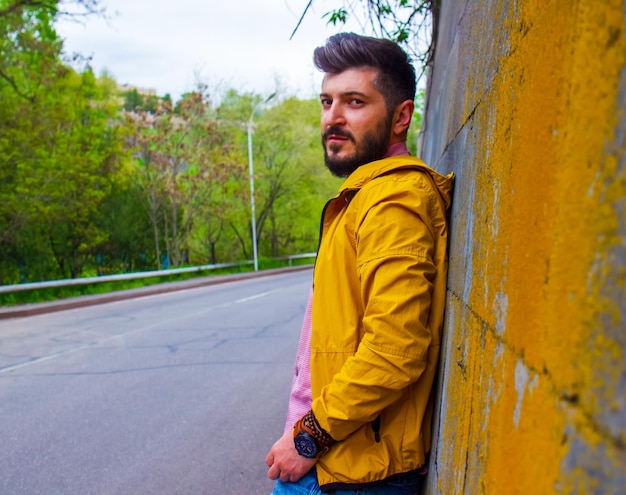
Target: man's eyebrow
{"x": 345, "y": 94}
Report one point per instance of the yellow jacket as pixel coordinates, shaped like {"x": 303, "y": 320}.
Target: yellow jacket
{"x": 378, "y": 303}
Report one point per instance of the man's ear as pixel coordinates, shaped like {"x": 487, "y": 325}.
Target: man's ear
{"x": 402, "y": 117}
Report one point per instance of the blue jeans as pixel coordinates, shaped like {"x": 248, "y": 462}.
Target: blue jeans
{"x": 404, "y": 485}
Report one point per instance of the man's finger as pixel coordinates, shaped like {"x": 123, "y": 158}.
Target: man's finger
{"x": 273, "y": 472}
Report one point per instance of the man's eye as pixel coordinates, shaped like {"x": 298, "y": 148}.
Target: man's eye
{"x": 356, "y": 101}
{"x": 326, "y": 102}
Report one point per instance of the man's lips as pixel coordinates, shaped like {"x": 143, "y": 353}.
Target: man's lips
{"x": 335, "y": 137}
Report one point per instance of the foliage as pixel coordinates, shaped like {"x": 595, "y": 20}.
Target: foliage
{"x": 89, "y": 188}
{"x": 55, "y": 148}
{"x": 58, "y": 153}
{"x": 292, "y": 180}
{"x": 29, "y": 45}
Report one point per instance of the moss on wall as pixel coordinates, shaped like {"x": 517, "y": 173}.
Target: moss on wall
{"x": 526, "y": 104}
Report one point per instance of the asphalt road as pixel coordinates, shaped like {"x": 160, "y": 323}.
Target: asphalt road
{"x": 175, "y": 393}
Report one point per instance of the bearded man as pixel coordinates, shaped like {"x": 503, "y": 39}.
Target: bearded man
{"x": 360, "y": 409}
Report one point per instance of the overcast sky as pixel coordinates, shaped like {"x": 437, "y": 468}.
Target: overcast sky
{"x": 169, "y": 44}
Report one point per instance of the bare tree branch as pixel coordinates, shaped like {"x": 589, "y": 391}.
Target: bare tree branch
{"x": 301, "y": 18}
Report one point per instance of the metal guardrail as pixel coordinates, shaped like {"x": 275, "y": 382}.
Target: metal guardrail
{"x": 292, "y": 257}
{"x": 6, "y": 289}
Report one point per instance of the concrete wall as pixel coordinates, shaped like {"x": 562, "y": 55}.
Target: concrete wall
{"x": 526, "y": 105}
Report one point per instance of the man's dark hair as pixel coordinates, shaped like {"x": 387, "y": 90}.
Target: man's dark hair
{"x": 396, "y": 78}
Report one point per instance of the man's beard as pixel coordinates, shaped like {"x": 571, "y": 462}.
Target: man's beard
{"x": 373, "y": 146}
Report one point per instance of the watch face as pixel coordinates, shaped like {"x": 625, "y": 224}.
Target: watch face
{"x": 305, "y": 445}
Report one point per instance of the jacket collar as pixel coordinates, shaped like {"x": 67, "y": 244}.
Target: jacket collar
{"x": 362, "y": 175}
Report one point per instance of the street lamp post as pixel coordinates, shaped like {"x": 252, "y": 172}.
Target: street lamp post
{"x": 251, "y": 172}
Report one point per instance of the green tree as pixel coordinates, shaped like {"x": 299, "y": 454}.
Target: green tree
{"x": 59, "y": 152}
{"x": 29, "y": 50}
{"x": 46, "y": 116}
{"x": 147, "y": 172}
{"x": 129, "y": 245}
{"x": 133, "y": 100}
{"x": 184, "y": 162}
{"x": 290, "y": 172}
{"x": 232, "y": 219}
{"x": 68, "y": 174}
{"x": 291, "y": 182}
{"x": 29, "y": 45}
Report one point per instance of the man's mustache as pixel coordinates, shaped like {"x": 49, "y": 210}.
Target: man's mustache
{"x": 336, "y": 131}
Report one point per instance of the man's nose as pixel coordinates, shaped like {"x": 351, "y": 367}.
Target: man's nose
{"x": 333, "y": 116}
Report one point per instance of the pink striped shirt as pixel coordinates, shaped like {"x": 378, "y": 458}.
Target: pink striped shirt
{"x": 300, "y": 397}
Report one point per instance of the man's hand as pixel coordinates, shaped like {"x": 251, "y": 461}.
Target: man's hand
{"x": 284, "y": 461}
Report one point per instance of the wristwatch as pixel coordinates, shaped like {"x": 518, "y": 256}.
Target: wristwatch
{"x": 309, "y": 439}
{"x": 305, "y": 444}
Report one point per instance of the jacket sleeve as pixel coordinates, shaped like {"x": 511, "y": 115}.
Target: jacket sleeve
{"x": 394, "y": 250}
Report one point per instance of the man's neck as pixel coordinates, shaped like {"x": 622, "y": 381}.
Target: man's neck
{"x": 397, "y": 149}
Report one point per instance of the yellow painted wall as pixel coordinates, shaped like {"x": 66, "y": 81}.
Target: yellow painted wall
{"x": 527, "y": 105}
